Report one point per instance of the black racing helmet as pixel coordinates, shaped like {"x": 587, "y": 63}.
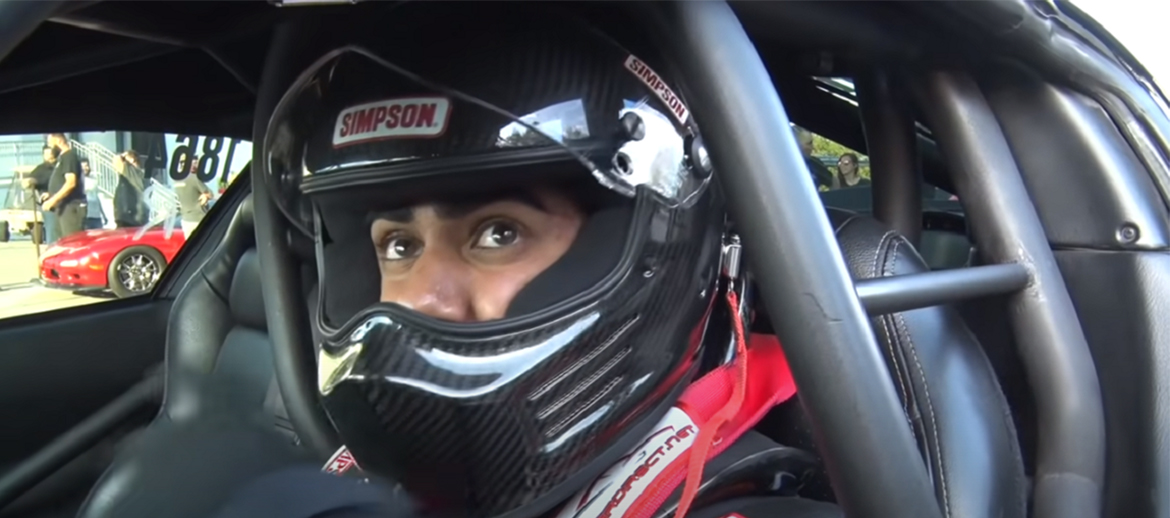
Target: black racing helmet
{"x": 507, "y": 417}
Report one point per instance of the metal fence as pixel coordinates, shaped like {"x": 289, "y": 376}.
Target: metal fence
{"x": 101, "y": 164}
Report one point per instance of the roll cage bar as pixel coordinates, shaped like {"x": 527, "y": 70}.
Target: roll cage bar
{"x": 813, "y": 301}
{"x": 819, "y": 312}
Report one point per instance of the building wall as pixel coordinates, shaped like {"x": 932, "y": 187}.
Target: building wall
{"x": 19, "y": 150}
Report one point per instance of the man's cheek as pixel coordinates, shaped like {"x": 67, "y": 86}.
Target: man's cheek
{"x": 388, "y": 291}
{"x": 496, "y": 290}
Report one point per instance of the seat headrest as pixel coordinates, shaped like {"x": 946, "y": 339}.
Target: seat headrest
{"x": 245, "y": 298}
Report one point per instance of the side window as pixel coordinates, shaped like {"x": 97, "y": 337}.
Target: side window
{"x": 832, "y": 164}
{"x": 94, "y": 216}
{"x": 839, "y": 172}
{"x": 846, "y": 180}
{"x": 854, "y": 192}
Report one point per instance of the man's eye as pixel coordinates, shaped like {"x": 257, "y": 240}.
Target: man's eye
{"x": 497, "y": 235}
{"x": 399, "y": 248}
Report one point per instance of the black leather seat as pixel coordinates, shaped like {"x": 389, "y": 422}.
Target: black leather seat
{"x": 947, "y": 386}
{"x": 216, "y": 428}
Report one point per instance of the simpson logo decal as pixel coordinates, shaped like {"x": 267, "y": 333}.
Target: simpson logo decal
{"x": 648, "y": 76}
{"x": 340, "y": 462}
{"x": 613, "y": 494}
{"x": 407, "y": 117}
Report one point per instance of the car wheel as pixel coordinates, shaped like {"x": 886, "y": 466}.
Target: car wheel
{"x": 135, "y": 271}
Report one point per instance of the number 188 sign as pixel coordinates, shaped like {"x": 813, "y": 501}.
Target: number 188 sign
{"x": 216, "y": 157}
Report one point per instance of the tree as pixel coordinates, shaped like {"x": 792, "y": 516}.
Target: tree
{"x": 523, "y": 137}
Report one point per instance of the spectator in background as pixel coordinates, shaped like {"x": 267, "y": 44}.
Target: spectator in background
{"x": 38, "y": 181}
{"x": 39, "y": 177}
{"x": 194, "y": 196}
{"x": 95, "y": 217}
{"x": 130, "y": 208}
{"x": 821, "y": 175}
{"x": 66, "y": 197}
{"x": 849, "y": 172}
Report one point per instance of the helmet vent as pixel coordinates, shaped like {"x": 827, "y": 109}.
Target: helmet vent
{"x": 584, "y": 385}
{"x": 581, "y": 409}
{"x": 542, "y": 390}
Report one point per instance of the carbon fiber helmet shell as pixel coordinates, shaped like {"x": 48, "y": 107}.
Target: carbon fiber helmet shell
{"x": 505, "y": 418}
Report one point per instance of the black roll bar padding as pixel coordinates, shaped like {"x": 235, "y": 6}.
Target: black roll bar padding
{"x": 81, "y": 62}
{"x": 1070, "y": 463}
{"x": 871, "y": 457}
{"x": 891, "y": 141}
{"x": 19, "y": 19}
{"x": 885, "y": 295}
{"x": 284, "y": 307}
{"x": 233, "y": 66}
{"x": 68, "y": 446}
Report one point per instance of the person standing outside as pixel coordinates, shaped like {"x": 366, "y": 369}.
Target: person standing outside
{"x": 849, "y": 172}
{"x": 38, "y": 181}
{"x": 95, "y": 217}
{"x": 129, "y": 199}
{"x": 194, "y": 196}
{"x": 67, "y": 188}
{"x": 821, "y": 175}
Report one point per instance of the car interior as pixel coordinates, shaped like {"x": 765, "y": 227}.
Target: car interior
{"x": 102, "y": 404}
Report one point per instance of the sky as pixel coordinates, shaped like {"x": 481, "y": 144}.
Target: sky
{"x": 1140, "y": 25}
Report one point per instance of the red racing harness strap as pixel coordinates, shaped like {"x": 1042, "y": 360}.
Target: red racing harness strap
{"x": 712, "y": 413}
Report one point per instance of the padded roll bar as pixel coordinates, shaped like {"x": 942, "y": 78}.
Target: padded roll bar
{"x": 293, "y": 351}
{"x": 871, "y": 458}
{"x": 19, "y": 19}
{"x": 1070, "y": 463}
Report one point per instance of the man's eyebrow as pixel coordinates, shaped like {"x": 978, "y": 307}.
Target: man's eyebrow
{"x": 396, "y": 215}
{"x": 459, "y": 208}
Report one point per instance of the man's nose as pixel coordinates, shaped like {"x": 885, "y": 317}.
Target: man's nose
{"x": 439, "y": 286}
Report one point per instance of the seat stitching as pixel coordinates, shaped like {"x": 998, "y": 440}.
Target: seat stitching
{"x": 926, "y": 391}
{"x": 850, "y": 219}
{"x": 890, "y": 338}
{"x": 877, "y": 256}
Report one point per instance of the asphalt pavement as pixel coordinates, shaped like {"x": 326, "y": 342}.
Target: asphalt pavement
{"x": 20, "y": 291}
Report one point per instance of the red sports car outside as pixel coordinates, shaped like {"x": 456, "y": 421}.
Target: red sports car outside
{"x": 117, "y": 259}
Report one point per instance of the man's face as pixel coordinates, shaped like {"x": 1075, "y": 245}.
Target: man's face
{"x": 85, "y": 168}
{"x": 47, "y": 154}
{"x": 806, "y": 144}
{"x": 465, "y": 263}
{"x": 54, "y": 142}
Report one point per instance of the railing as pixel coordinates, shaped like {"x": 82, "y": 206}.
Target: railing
{"x": 160, "y": 198}
{"x": 101, "y": 165}
{"x": 164, "y": 208}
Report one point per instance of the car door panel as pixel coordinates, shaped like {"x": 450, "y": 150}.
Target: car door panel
{"x": 58, "y": 369}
